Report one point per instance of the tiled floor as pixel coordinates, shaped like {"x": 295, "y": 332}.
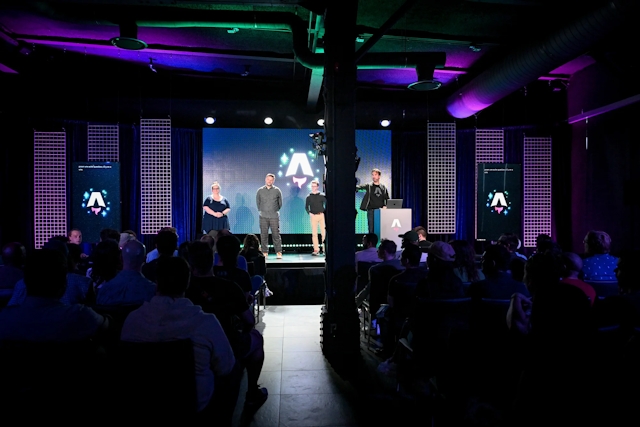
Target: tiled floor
{"x": 303, "y": 388}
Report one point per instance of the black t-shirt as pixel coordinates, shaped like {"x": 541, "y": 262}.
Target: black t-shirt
{"x": 376, "y": 197}
{"x": 235, "y": 274}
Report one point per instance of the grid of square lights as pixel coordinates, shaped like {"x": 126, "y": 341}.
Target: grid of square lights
{"x": 441, "y": 178}
{"x": 155, "y": 174}
{"x": 489, "y": 149}
{"x": 103, "y": 143}
{"x": 537, "y": 189}
{"x": 49, "y": 186}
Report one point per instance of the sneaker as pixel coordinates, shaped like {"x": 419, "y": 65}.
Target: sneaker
{"x": 315, "y": 253}
{"x": 255, "y": 399}
{"x": 267, "y": 292}
{"x": 279, "y": 255}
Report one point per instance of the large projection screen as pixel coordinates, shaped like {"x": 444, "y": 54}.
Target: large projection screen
{"x": 499, "y": 200}
{"x": 239, "y": 160}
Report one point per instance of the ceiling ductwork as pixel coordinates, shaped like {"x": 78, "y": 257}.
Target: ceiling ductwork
{"x": 531, "y": 62}
{"x": 280, "y": 21}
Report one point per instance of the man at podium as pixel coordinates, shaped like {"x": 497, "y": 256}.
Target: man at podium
{"x": 375, "y": 196}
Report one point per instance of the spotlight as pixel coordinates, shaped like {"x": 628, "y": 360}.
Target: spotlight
{"x": 385, "y": 123}
{"x": 320, "y": 122}
{"x": 268, "y": 120}
{"x": 209, "y": 120}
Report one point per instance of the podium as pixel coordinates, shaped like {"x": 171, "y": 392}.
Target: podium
{"x": 390, "y": 223}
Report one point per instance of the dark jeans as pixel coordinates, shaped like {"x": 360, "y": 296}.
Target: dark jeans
{"x": 370, "y": 219}
{"x": 274, "y": 225}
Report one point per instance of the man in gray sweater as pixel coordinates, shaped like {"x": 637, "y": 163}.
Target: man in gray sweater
{"x": 269, "y": 202}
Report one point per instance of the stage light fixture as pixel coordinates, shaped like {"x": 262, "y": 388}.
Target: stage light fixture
{"x": 320, "y": 122}
{"x": 268, "y": 120}
{"x": 385, "y": 123}
{"x": 209, "y": 120}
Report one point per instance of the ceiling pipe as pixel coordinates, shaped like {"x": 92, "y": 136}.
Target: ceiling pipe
{"x": 282, "y": 21}
{"x": 527, "y": 64}
{"x": 384, "y": 28}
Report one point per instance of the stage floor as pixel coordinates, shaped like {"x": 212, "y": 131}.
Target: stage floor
{"x": 294, "y": 260}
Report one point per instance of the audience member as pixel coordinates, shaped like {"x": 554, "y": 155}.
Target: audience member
{"x": 572, "y": 264}
{"x": 423, "y": 243}
{"x": 155, "y": 253}
{"x": 369, "y": 252}
{"x": 464, "y": 264}
{"x": 598, "y": 264}
{"x": 78, "y": 287}
{"x": 227, "y": 301}
{"x": 380, "y": 274}
{"x": 166, "y": 246}
{"x": 512, "y": 243}
{"x": 170, "y": 316}
{"x": 124, "y": 238}
{"x": 42, "y": 316}
{"x": 251, "y": 252}
{"x": 129, "y": 286}
{"x": 413, "y": 238}
{"x": 440, "y": 282}
{"x": 13, "y": 257}
{"x": 109, "y": 233}
{"x": 498, "y": 283}
{"x": 228, "y": 251}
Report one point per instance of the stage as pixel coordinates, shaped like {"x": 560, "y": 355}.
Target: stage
{"x": 296, "y": 279}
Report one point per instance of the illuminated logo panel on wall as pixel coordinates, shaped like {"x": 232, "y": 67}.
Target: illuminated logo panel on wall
{"x": 95, "y": 198}
{"x": 239, "y": 159}
{"x": 499, "y": 200}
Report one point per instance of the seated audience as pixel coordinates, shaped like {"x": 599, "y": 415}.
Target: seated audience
{"x": 624, "y": 309}
{"x": 170, "y": 316}
{"x": 597, "y": 263}
{"x": 464, "y": 264}
{"x": 369, "y": 252}
{"x": 380, "y": 274}
{"x": 498, "y": 283}
{"x": 227, "y": 301}
{"x": 413, "y": 238}
{"x": 78, "y": 288}
{"x": 129, "y": 286}
{"x": 166, "y": 246}
{"x": 512, "y": 243}
{"x": 42, "y": 316}
{"x": 572, "y": 264}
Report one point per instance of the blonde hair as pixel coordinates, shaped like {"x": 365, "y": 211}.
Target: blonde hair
{"x": 215, "y": 183}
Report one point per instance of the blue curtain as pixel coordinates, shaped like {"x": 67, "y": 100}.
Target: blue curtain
{"x": 465, "y": 184}
{"x": 409, "y": 173}
{"x": 186, "y": 182}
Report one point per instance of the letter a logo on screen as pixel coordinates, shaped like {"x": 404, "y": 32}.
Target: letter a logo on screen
{"x": 395, "y": 225}
{"x": 499, "y": 202}
{"x": 299, "y": 160}
{"x": 94, "y": 202}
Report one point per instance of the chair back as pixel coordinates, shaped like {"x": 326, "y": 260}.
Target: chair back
{"x": 362, "y": 268}
{"x": 604, "y": 288}
{"x": 157, "y": 377}
{"x": 489, "y": 316}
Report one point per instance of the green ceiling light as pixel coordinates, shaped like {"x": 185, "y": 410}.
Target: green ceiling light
{"x": 425, "y": 81}
{"x": 128, "y": 37}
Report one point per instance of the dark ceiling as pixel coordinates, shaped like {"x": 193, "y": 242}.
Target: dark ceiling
{"x": 271, "y": 52}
